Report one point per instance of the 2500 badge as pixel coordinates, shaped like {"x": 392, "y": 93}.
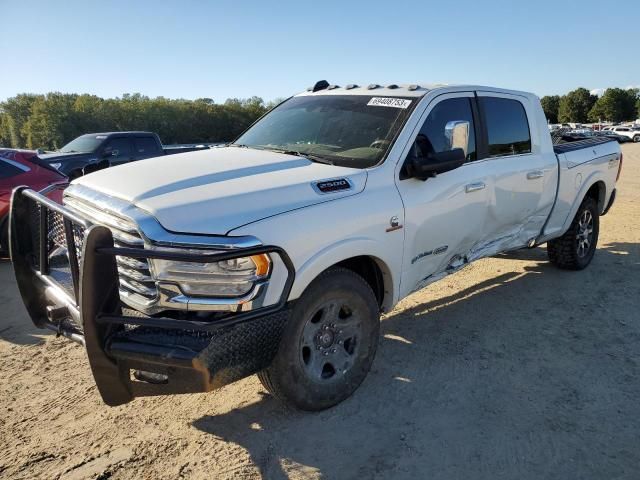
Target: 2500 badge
{"x": 336, "y": 185}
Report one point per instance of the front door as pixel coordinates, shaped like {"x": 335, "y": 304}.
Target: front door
{"x": 444, "y": 215}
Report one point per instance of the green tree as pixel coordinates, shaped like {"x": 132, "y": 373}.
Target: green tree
{"x": 18, "y": 110}
{"x": 615, "y": 105}
{"x": 49, "y": 121}
{"x": 5, "y": 135}
{"x": 551, "y": 105}
{"x": 575, "y": 106}
{"x": 53, "y": 121}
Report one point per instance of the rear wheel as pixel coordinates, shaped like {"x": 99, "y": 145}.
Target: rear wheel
{"x": 636, "y": 138}
{"x": 328, "y": 345}
{"x": 575, "y": 249}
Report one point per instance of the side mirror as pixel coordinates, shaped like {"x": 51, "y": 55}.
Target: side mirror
{"x": 435, "y": 163}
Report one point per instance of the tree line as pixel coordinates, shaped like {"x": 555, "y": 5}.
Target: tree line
{"x": 580, "y": 106}
{"x": 50, "y": 121}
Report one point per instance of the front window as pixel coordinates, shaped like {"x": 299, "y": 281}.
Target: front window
{"x": 432, "y": 137}
{"x": 348, "y": 130}
{"x": 84, "y": 144}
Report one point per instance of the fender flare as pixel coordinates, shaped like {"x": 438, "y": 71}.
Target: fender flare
{"x": 338, "y": 252}
{"x": 593, "y": 179}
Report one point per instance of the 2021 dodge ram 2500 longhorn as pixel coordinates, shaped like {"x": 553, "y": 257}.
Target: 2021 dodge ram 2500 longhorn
{"x": 276, "y": 254}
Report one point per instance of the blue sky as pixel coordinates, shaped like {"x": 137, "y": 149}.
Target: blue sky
{"x": 221, "y": 49}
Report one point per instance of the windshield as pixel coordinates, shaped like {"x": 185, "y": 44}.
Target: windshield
{"x": 347, "y": 130}
{"x": 83, "y": 144}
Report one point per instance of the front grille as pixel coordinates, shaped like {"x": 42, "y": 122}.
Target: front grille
{"x": 56, "y": 236}
{"x": 134, "y": 274}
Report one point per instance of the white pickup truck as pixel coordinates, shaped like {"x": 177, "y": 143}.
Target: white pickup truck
{"x": 277, "y": 253}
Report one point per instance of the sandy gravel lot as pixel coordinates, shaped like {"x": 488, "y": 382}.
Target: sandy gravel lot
{"x": 509, "y": 369}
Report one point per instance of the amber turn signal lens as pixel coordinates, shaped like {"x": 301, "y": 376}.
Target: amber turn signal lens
{"x": 262, "y": 263}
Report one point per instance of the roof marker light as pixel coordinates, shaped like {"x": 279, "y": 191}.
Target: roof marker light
{"x": 413, "y": 87}
{"x": 373, "y": 86}
{"x": 393, "y": 86}
{"x": 350, "y": 86}
{"x": 320, "y": 85}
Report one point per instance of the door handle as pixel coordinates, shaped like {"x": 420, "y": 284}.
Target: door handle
{"x": 474, "y": 187}
{"x": 535, "y": 174}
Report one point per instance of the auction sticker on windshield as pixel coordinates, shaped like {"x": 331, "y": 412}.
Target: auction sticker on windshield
{"x": 389, "y": 102}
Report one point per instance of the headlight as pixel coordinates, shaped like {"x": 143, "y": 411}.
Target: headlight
{"x": 229, "y": 278}
{"x": 56, "y": 165}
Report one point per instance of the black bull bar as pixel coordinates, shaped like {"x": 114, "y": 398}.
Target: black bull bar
{"x": 80, "y": 300}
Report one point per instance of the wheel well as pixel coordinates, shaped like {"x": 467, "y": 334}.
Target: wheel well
{"x": 368, "y": 268}
{"x": 77, "y": 173}
{"x": 598, "y": 193}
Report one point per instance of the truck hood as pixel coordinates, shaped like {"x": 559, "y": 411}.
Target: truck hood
{"x": 68, "y": 161}
{"x": 63, "y": 157}
{"x": 217, "y": 190}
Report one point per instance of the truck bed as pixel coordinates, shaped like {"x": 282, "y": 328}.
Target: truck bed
{"x": 580, "y": 163}
{"x": 579, "y": 144}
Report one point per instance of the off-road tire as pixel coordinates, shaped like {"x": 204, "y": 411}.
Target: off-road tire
{"x": 565, "y": 252}
{"x": 314, "y": 370}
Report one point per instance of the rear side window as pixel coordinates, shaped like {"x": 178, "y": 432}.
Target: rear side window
{"x": 9, "y": 169}
{"x": 120, "y": 147}
{"x": 507, "y": 126}
{"x": 146, "y": 146}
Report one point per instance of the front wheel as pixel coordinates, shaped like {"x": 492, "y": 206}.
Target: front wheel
{"x": 575, "y": 249}
{"x": 636, "y": 138}
{"x": 328, "y": 345}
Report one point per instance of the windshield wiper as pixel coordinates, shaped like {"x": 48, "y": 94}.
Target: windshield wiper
{"x": 309, "y": 156}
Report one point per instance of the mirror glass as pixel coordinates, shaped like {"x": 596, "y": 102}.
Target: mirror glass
{"x": 457, "y": 134}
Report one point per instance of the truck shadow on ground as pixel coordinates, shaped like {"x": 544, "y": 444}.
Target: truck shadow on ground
{"x": 15, "y": 324}
{"x": 514, "y": 375}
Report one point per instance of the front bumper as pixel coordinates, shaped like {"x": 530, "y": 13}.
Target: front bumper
{"x": 193, "y": 354}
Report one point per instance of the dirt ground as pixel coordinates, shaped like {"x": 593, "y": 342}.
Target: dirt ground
{"x": 509, "y": 369}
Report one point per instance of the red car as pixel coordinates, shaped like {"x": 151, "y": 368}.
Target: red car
{"x": 21, "y": 167}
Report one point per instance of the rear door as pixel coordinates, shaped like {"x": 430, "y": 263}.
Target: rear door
{"x": 522, "y": 176}
{"x": 444, "y": 215}
{"x": 146, "y": 147}
{"x": 119, "y": 150}
{"x": 11, "y": 173}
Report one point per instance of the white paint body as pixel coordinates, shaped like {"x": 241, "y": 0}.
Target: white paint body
{"x": 235, "y": 191}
